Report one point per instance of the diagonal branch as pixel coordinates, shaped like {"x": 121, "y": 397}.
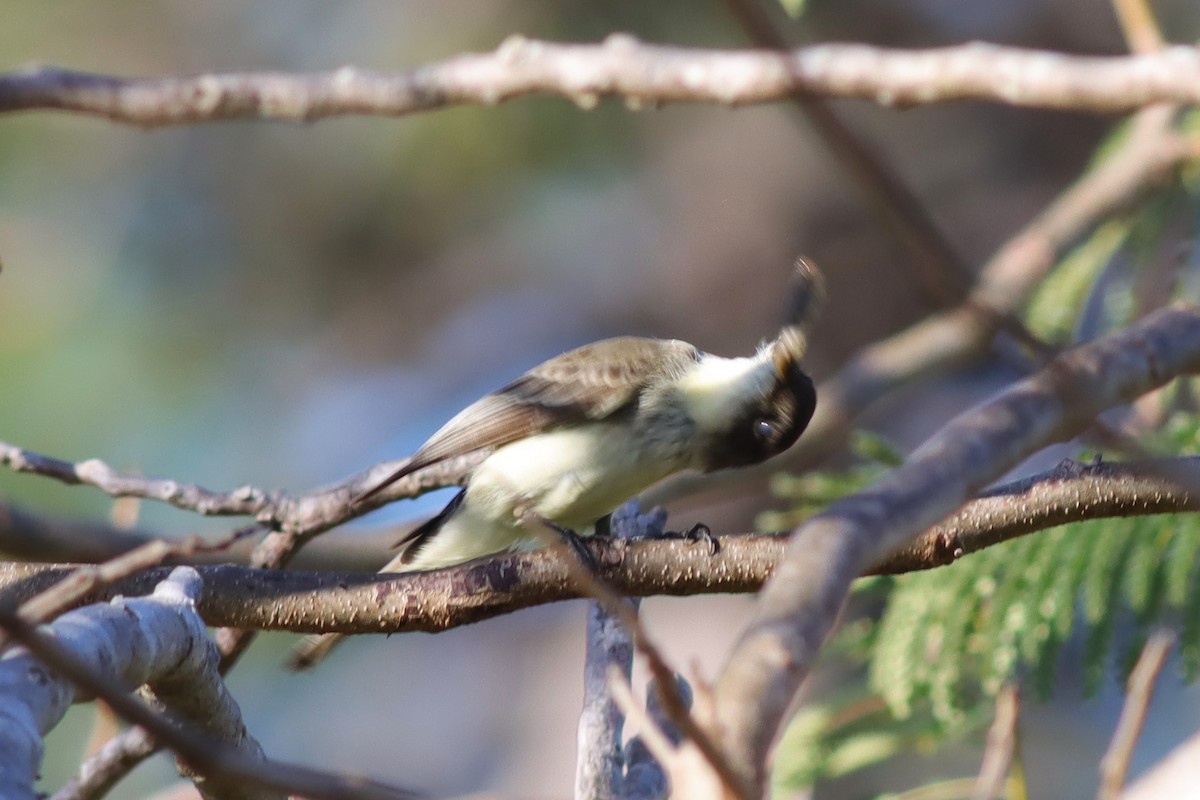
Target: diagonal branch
{"x": 1114, "y": 766}
{"x": 642, "y": 74}
{"x": 798, "y": 606}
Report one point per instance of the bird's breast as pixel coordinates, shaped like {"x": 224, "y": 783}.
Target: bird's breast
{"x": 573, "y": 476}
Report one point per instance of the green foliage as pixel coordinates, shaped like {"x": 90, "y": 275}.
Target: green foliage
{"x": 978, "y": 623}
{"x": 1094, "y": 280}
{"x": 793, "y": 8}
{"x": 1053, "y": 310}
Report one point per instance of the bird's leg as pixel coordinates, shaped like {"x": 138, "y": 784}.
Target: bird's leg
{"x": 575, "y": 542}
{"x": 572, "y": 540}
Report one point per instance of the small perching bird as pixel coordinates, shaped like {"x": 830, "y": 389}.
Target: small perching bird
{"x": 578, "y": 435}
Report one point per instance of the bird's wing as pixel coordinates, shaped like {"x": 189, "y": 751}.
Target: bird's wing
{"x": 589, "y": 382}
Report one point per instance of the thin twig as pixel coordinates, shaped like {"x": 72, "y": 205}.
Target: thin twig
{"x": 1139, "y": 25}
{"x": 642, "y": 74}
{"x": 318, "y": 509}
{"x": 1114, "y": 766}
{"x": 1071, "y": 492}
{"x": 1001, "y": 745}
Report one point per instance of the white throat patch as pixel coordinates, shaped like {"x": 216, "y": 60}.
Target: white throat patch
{"x": 718, "y": 388}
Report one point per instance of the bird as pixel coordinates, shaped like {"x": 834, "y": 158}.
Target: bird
{"x": 580, "y": 434}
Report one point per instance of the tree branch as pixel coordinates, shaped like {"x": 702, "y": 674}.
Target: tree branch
{"x": 235, "y": 759}
{"x": 1071, "y": 492}
{"x": 320, "y": 509}
{"x": 356, "y": 602}
{"x": 642, "y": 74}
{"x": 799, "y": 605}
{"x": 157, "y": 640}
{"x": 1114, "y": 766}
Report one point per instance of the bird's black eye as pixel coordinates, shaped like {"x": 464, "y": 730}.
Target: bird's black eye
{"x": 765, "y": 429}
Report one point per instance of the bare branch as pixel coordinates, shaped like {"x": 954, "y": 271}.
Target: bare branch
{"x": 213, "y": 757}
{"x": 800, "y": 603}
{"x": 320, "y": 509}
{"x": 1114, "y": 766}
{"x": 356, "y": 602}
{"x": 86, "y": 580}
{"x": 1070, "y": 492}
{"x": 112, "y": 762}
{"x": 642, "y": 74}
{"x": 157, "y": 640}
{"x": 1001, "y": 745}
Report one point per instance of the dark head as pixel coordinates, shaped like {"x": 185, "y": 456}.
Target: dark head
{"x": 747, "y": 410}
{"x": 766, "y": 427}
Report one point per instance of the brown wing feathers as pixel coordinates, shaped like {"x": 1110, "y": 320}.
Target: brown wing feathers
{"x": 590, "y": 382}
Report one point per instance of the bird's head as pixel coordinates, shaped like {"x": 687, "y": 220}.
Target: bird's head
{"x": 747, "y": 410}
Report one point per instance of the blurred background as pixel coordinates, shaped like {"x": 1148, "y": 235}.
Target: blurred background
{"x": 284, "y": 304}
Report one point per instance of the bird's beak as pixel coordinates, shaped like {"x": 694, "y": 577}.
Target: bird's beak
{"x": 787, "y": 350}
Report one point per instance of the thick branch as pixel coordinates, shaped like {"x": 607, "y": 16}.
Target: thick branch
{"x": 235, "y": 760}
{"x": 799, "y": 605}
{"x": 157, "y": 640}
{"x": 642, "y": 74}
{"x": 371, "y": 603}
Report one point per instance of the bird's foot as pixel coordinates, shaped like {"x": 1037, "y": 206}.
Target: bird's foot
{"x": 697, "y": 533}
{"x": 701, "y": 533}
{"x": 627, "y": 522}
